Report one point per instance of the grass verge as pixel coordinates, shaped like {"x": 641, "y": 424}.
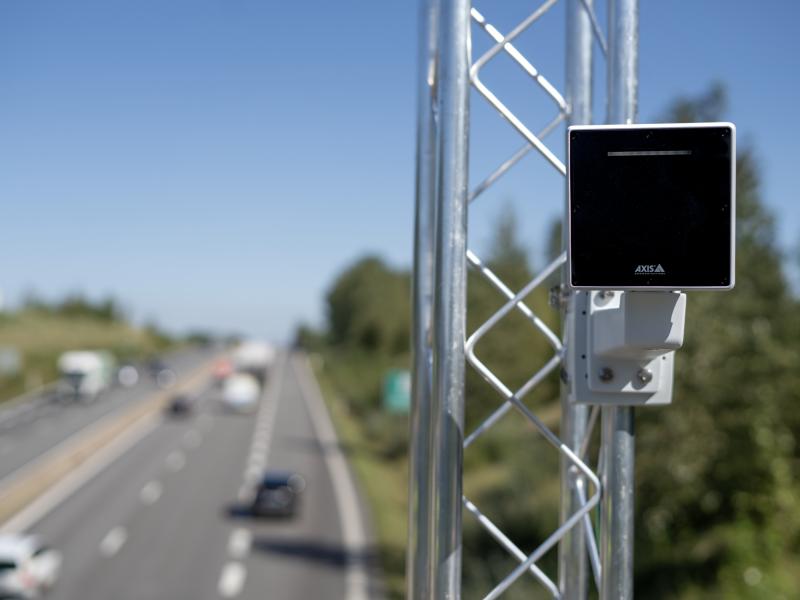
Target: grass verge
{"x": 382, "y": 475}
{"x": 41, "y": 337}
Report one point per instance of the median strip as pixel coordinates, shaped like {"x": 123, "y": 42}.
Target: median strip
{"x": 25, "y": 485}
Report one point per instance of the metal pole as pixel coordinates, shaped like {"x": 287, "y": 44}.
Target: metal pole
{"x": 616, "y": 510}
{"x": 623, "y": 60}
{"x": 617, "y": 422}
{"x": 572, "y": 561}
{"x": 449, "y": 306}
{"x": 418, "y": 583}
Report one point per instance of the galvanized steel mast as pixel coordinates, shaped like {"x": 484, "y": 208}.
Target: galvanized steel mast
{"x": 420, "y": 539}
{"x": 450, "y": 295}
{"x": 617, "y": 422}
{"x": 572, "y": 556}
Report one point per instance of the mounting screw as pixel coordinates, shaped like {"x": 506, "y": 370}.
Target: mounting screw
{"x": 606, "y": 374}
{"x": 559, "y": 296}
{"x": 606, "y": 294}
{"x": 644, "y": 375}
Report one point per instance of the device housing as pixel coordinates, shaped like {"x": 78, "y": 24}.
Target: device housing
{"x": 651, "y": 207}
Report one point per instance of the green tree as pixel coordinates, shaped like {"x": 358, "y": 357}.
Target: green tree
{"x": 717, "y": 509}
{"x": 513, "y": 348}
{"x": 369, "y": 308}
{"x": 521, "y": 494}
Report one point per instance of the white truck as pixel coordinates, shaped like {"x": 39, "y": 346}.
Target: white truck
{"x": 254, "y": 358}
{"x": 85, "y": 374}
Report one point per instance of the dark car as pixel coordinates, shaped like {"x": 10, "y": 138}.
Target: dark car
{"x": 155, "y": 365}
{"x": 278, "y": 494}
{"x": 180, "y": 406}
{"x": 161, "y": 373}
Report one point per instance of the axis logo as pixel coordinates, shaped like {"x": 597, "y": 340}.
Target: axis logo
{"x": 649, "y": 270}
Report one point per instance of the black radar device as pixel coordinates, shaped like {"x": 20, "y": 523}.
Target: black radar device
{"x": 651, "y": 207}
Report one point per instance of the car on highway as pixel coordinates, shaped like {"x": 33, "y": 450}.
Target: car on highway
{"x": 28, "y": 568}
{"x": 163, "y": 375}
{"x": 278, "y": 494}
{"x": 240, "y": 392}
{"x": 128, "y": 375}
{"x": 180, "y": 406}
{"x": 223, "y": 368}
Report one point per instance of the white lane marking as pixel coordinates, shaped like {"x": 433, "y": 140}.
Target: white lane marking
{"x": 113, "y": 541}
{"x": 244, "y": 493}
{"x": 69, "y": 484}
{"x": 192, "y": 438}
{"x": 231, "y": 580}
{"x": 258, "y": 459}
{"x": 151, "y": 492}
{"x": 176, "y": 461}
{"x": 251, "y": 478}
{"x": 344, "y": 490}
{"x": 239, "y": 543}
{"x": 99, "y": 424}
{"x": 253, "y": 472}
{"x": 70, "y": 417}
{"x": 255, "y": 461}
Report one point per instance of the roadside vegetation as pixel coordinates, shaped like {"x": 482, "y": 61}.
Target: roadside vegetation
{"x": 39, "y": 332}
{"x": 718, "y": 472}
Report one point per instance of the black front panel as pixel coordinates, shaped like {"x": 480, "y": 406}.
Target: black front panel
{"x": 650, "y": 207}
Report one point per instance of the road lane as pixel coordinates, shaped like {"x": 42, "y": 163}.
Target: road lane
{"x": 42, "y": 422}
{"x": 304, "y": 557}
{"x": 144, "y": 529}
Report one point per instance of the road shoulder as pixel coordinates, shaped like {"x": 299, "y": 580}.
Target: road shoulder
{"x": 364, "y": 578}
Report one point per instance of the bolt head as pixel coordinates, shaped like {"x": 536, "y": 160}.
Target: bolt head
{"x": 644, "y": 375}
{"x": 606, "y": 374}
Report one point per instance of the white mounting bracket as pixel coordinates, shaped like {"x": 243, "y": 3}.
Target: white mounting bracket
{"x": 621, "y": 351}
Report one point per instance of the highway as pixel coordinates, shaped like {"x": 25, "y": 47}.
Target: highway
{"x": 167, "y": 518}
{"x": 30, "y": 428}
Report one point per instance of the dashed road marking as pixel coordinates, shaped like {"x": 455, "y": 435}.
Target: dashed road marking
{"x": 258, "y": 459}
{"x": 78, "y": 477}
{"x": 113, "y": 541}
{"x": 176, "y": 461}
{"x": 251, "y": 477}
{"x": 151, "y": 492}
{"x": 231, "y": 580}
{"x": 239, "y": 543}
{"x": 244, "y": 493}
{"x": 253, "y": 472}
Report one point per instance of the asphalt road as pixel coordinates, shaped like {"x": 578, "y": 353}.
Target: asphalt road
{"x": 30, "y": 428}
{"x": 168, "y": 518}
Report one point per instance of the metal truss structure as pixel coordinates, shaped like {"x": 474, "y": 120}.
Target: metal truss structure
{"x": 442, "y": 346}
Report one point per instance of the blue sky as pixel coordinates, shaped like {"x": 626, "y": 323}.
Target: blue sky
{"x": 215, "y": 163}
